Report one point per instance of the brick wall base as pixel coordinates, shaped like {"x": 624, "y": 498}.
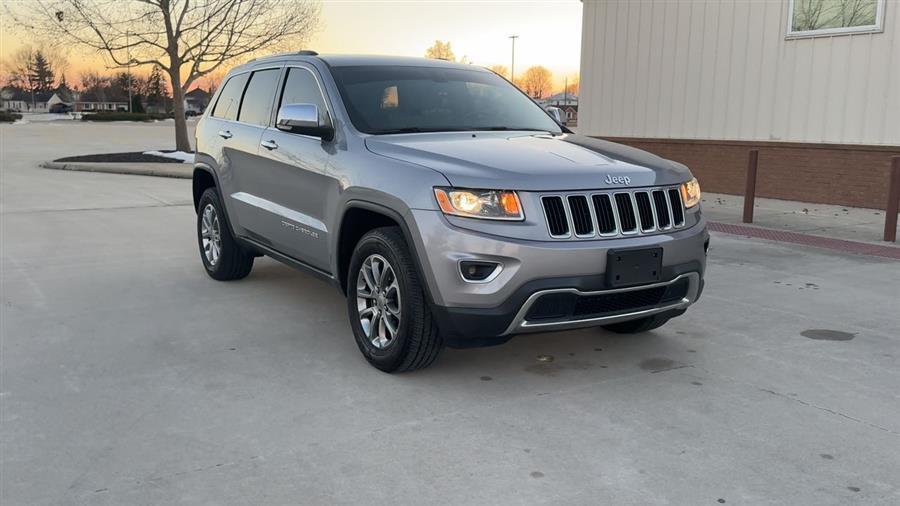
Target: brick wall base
{"x": 849, "y": 175}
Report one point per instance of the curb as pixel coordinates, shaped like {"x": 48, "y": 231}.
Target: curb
{"x": 842, "y": 245}
{"x": 178, "y": 171}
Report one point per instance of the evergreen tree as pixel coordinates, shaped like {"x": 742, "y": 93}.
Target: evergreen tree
{"x": 156, "y": 89}
{"x": 63, "y": 83}
{"x": 40, "y": 73}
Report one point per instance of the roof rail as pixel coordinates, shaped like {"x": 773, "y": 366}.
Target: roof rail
{"x": 302, "y": 52}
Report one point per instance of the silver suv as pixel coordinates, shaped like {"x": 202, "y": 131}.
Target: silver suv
{"x": 449, "y": 207}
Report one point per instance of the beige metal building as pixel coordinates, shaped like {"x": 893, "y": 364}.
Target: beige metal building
{"x": 813, "y": 84}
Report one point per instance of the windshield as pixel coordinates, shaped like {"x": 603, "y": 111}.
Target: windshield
{"x": 394, "y": 99}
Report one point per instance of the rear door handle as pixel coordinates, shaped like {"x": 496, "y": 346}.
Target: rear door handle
{"x": 225, "y": 134}
{"x": 270, "y": 145}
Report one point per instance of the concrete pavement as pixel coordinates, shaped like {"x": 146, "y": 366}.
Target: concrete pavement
{"x": 127, "y": 376}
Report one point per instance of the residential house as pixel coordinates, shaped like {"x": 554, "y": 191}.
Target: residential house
{"x": 14, "y": 99}
{"x": 100, "y": 101}
{"x": 196, "y": 100}
{"x": 568, "y": 103}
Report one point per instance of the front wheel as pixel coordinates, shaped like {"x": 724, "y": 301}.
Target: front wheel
{"x": 386, "y": 303}
{"x": 222, "y": 256}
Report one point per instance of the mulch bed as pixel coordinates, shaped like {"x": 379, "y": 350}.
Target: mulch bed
{"x": 131, "y": 157}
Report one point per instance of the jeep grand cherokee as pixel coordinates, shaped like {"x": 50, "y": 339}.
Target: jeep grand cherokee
{"x": 449, "y": 207}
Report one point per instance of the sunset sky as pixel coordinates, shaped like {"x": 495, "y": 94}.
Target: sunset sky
{"x": 549, "y": 32}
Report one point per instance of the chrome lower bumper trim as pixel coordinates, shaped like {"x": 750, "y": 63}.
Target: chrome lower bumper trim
{"x": 521, "y": 325}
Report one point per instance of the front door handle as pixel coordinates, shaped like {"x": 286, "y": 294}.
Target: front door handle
{"x": 270, "y": 145}
{"x": 225, "y": 134}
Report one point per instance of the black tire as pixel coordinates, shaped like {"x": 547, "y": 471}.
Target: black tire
{"x": 417, "y": 342}
{"x": 234, "y": 261}
{"x": 641, "y": 325}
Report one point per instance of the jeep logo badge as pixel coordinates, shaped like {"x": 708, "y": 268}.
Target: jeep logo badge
{"x": 618, "y": 180}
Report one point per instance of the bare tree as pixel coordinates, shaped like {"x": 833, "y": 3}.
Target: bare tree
{"x": 500, "y": 70}
{"x": 536, "y": 81}
{"x": 440, "y": 51}
{"x": 187, "y": 39}
{"x": 33, "y": 68}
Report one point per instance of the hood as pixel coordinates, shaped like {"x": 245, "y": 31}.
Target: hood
{"x": 529, "y": 162}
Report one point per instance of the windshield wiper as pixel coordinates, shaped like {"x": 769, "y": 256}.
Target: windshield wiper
{"x": 415, "y": 130}
{"x": 506, "y": 128}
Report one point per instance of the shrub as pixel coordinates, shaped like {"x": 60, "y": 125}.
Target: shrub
{"x": 9, "y": 117}
{"x": 123, "y": 116}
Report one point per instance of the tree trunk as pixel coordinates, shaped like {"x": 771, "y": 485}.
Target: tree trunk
{"x": 182, "y": 141}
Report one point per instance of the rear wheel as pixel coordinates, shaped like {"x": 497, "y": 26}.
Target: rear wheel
{"x": 388, "y": 312}
{"x": 223, "y": 258}
{"x": 640, "y": 325}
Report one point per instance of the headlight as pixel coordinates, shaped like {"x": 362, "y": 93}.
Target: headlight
{"x": 485, "y": 204}
{"x": 690, "y": 193}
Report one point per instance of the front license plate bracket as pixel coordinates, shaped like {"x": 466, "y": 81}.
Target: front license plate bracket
{"x": 633, "y": 267}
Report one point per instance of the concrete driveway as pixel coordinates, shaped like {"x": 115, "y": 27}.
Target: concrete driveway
{"x": 130, "y": 377}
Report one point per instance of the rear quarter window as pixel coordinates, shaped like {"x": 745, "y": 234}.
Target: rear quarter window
{"x": 229, "y": 101}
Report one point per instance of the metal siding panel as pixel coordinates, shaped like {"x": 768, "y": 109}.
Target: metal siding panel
{"x": 751, "y": 19}
{"x": 855, "y": 99}
{"x": 817, "y": 107}
{"x": 676, "y": 113}
{"x": 626, "y": 107}
{"x": 839, "y": 84}
{"x": 707, "y": 84}
{"x": 662, "y": 84}
{"x": 877, "y": 90}
{"x": 645, "y": 51}
{"x": 890, "y": 130}
{"x": 715, "y": 69}
{"x": 608, "y": 72}
{"x": 694, "y": 63}
{"x": 589, "y": 64}
{"x": 767, "y": 74}
{"x": 734, "y": 95}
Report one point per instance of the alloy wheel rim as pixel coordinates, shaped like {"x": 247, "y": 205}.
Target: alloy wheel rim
{"x": 211, "y": 235}
{"x": 378, "y": 301}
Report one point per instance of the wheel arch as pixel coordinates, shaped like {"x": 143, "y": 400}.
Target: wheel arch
{"x": 203, "y": 179}
{"x": 358, "y": 218}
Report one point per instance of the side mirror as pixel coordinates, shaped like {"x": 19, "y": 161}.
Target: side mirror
{"x": 556, "y": 113}
{"x": 303, "y": 119}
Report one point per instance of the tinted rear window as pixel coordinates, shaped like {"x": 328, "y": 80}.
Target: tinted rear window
{"x": 257, "y": 105}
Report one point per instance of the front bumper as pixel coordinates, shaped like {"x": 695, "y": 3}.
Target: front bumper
{"x": 476, "y": 311}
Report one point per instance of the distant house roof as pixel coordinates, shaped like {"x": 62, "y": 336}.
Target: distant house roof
{"x": 101, "y": 96}
{"x": 562, "y": 97}
{"x": 197, "y": 94}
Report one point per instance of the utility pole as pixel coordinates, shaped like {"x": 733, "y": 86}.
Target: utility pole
{"x": 512, "y": 68}
{"x": 128, "y": 55}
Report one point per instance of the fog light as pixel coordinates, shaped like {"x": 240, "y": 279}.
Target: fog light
{"x": 478, "y": 271}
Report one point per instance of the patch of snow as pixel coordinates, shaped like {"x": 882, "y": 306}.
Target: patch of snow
{"x": 175, "y": 155}
{"x": 46, "y": 116}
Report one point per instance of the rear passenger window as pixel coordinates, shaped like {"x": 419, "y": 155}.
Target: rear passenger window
{"x": 301, "y": 88}
{"x": 257, "y": 105}
{"x": 230, "y": 99}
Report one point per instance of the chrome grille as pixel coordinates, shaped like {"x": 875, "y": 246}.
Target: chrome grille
{"x": 613, "y": 213}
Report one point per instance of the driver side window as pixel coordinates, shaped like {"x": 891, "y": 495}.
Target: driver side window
{"x": 300, "y": 87}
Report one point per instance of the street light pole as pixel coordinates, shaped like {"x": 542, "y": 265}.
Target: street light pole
{"x": 512, "y": 68}
{"x": 128, "y": 46}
